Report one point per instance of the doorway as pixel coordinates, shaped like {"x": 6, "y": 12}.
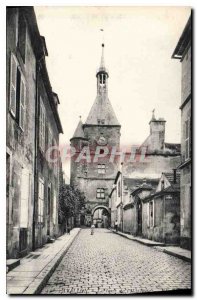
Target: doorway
{"x": 139, "y": 219}
{"x": 49, "y": 209}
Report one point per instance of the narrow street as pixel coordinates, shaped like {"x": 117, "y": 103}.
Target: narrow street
{"x": 106, "y": 263}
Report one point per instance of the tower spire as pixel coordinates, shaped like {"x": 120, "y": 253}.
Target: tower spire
{"x": 102, "y": 65}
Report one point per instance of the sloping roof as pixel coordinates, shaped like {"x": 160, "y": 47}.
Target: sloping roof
{"x": 168, "y": 190}
{"x": 184, "y": 40}
{"x": 102, "y": 110}
{"x": 79, "y": 133}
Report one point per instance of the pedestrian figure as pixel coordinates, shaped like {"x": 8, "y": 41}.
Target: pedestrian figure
{"x": 92, "y": 229}
{"x": 116, "y": 225}
{"x": 68, "y": 229}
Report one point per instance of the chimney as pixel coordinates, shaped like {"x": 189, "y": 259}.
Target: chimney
{"x": 174, "y": 178}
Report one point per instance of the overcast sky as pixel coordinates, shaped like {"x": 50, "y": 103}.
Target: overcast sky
{"x": 139, "y": 42}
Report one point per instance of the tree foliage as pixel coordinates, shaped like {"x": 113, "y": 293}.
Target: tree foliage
{"x": 71, "y": 201}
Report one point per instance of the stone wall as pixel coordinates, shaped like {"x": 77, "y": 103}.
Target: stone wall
{"x": 20, "y": 144}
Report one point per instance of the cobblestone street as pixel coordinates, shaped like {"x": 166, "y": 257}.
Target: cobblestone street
{"x": 106, "y": 263}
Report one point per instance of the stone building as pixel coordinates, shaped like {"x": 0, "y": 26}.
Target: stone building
{"x": 160, "y": 209}
{"x": 91, "y": 169}
{"x": 154, "y": 155}
{"x": 48, "y": 128}
{"x": 121, "y": 204}
{"x": 141, "y": 175}
{"x": 183, "y": 53}
{"x": 25, "y": 54}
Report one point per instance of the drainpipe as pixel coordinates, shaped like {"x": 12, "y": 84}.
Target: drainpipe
{"x": 36, "y": 153}
{"x": 122, "y": 221}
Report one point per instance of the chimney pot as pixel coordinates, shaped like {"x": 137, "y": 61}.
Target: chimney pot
{"x": 174, "y": 172}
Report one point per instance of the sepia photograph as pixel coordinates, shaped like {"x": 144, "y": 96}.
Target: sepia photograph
{"x": 99, "y": 150}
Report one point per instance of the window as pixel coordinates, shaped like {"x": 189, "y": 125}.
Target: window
{"x": 40, "y": 200}
{"x": 101, "y": 169}
{"x": 42, "y": 126}
{"x": 102, "y": 78}
{"x": 187, "y": 139}
{"x": 17, "y": 92}
{"x": 22, "y": 35}
{"x": 22, "y": 103}
{"x": 100, "y": 193}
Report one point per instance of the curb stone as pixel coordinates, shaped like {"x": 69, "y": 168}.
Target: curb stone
{"x": 40, "y": 281}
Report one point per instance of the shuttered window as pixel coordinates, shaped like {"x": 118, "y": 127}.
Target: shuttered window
{"x": 17, "y": 92}
{"x": 22, "y": 103}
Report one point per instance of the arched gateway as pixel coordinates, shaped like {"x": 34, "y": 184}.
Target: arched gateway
{"x": 102, "y": 219}
{"x": 100, "y": 207}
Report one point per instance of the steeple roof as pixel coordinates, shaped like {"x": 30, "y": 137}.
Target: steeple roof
{"x": 79, "y": 131}
{"x": 102, "y": 110}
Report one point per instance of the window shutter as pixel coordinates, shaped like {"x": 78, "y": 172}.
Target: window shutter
{"x": 25, "y": 196}
{"x": 187, "y": 139}
{"x": 41, "y": 200}
{"x": 22, "y": 104}
{"x": 13, "y": 70}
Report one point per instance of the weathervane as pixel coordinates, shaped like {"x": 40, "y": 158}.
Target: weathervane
{"x": 102, "y": 30}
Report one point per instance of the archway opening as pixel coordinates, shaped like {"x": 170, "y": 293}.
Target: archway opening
{"x": 101, "y": 217}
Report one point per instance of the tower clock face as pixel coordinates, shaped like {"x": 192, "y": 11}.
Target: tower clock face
{"x": 102, "y": 141}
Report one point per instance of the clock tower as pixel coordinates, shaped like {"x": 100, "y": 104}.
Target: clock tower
{"x": 101, "y": 135}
